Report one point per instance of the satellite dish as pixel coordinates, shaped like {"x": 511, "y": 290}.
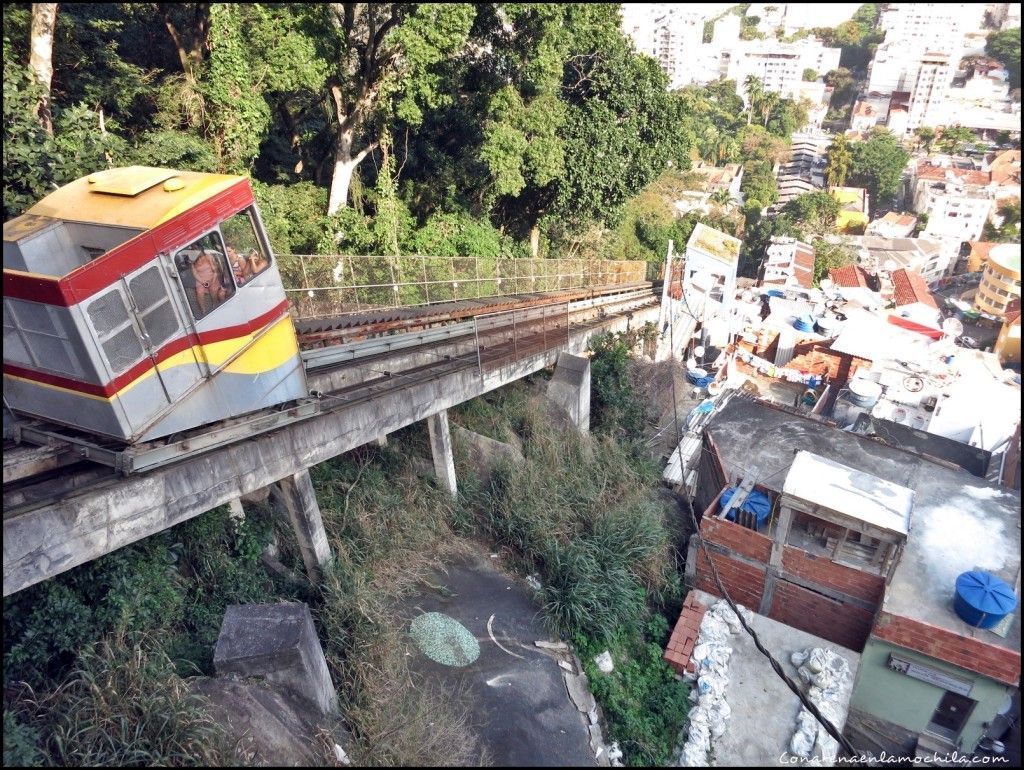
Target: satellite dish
{"x": 699, "y": 351}
{"x": 952, "y": 327}
{"x": 826, "y": 284}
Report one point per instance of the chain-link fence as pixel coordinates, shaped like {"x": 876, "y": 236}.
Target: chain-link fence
{"x": 334, "y": 284}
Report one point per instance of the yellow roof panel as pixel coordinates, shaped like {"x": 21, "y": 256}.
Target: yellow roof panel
{"x": 128, "y": 181}
{"x": 80, "y": 202}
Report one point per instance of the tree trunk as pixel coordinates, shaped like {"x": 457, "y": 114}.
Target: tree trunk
{"x": 535, "y": 241}
{"x": 344, "y": 167}
{"x": 44, "y": 21}
{"x": 345, "y": 164}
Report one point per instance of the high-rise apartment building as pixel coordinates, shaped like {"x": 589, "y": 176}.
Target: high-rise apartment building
{"x": 928, "y": 96}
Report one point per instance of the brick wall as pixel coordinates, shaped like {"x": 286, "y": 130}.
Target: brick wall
{"x": 998, "y": 663}
{"x": 744, "y": 583}
{"x": 816, "y": 614}
{"x": 820, "y": 570}
{"x": 739, "y": 539}
{"x": 684, "y": 635}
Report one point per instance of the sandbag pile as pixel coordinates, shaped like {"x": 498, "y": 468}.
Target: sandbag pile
{"x": 826, "y": 674}
{"x": 710, "y": 657}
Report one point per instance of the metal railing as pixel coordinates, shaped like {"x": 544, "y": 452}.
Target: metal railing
{"x": 335, "y": 284}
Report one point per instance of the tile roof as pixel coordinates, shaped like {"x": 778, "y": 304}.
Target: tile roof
{"x": 1013, "y": 311}
{"x": 850, "y": 276}
{"x": 903, "y": 220}
{"x": 926, "y": 170}
{"x": 909, "y": 288}
{"x": 803, "y": 267}
{"x": 1005, "y": 168}
{"x": 981, "y": 249}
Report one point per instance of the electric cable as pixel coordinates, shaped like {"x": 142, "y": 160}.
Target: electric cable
{"x": 847, "y": 747}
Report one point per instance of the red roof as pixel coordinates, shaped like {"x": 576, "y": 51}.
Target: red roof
{"x": 909, "y": 288}
{"x": 803, "y": 267}
{"x": 1006, "y": 168}
{"x": 926, "y": 170}
{"x": 1013, "y": 311}
{"x": 849, "y": 277}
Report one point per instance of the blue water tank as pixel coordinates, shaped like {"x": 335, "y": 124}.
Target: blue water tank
{"x": 756, "y": 503}
{"x": 982, "y": 600}
{"x": 804, "y": 323}
{"x": 776, "y": 293}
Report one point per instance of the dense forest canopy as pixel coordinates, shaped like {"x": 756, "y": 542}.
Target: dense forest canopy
{"x": 498, "y": 128}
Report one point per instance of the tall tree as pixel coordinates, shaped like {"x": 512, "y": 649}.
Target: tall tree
{"x": 839, "y": 160}
{"x": 44, "y": 22}
{"x": 754, "y": 89}
{"x": 1005, "y": 47}
{"x": 383, "y": 59}
{"x": 878, "y": 164}
{"x": 188, "y": 24}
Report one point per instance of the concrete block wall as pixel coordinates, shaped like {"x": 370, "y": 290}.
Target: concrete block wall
{"x": 684, "y": 636}
{"x": 999, "y": 663}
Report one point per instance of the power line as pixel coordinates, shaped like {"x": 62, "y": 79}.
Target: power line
{"x": 807, "y": 703}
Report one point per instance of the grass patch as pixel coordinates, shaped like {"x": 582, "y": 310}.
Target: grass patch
{"x": 123, "y": 704}
{"x": 644, "y": 703}
{"x": 387, "y": 529}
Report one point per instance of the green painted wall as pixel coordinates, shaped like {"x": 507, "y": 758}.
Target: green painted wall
{"x": 909, "y": 702}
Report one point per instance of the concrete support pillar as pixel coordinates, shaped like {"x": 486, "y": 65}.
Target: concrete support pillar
{"x": 570, "y": 388}
{"x": 236, "y": 511}
{"x": 441, "y": 448}
{"x": 382, "y": 440}
{"x": 276, "y": 642}
{"x": 299, "y": 501}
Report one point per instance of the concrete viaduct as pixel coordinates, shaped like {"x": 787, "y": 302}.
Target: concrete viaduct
{"x": 43, "y": 541}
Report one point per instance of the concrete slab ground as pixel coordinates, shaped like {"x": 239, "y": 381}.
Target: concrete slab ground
{"x": 523, "y": 713}
{"x": 764, "y": 711}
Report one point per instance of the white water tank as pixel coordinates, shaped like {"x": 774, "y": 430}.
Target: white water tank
{"x": 864, "y": 392}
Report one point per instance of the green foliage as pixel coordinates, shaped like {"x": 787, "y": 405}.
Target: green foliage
{"x": 1005, "y": 47}
{"x": 877, "y": 164}
{"x": 759, "y": 187}
{"x": 139, "y": 587}
{"x": 459, "y": 234}
{"x": 926, "y": 135}
{"x": 21, "y": 742}
{"x": 293, "y": 215}
{"x": 643, "y": 700}
{"x": 954, "y": 138}
{"x": 809, "y": 75}
{"x": 815, "y": 212}
{"x": 839, "y": 162}
{"x": 1008, "y": 230}
{"x": 829, "y": 255}
{"x": 124, "y": 704}
{"x": 615, "y": 406}
{"x": 237, "y": 115}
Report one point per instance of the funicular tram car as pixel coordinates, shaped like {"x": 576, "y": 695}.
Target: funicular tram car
{"x": 142, "y": 302}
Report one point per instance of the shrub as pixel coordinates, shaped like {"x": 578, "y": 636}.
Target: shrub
{"x": 643, "y": 701}
{"x": 124, "y": 704}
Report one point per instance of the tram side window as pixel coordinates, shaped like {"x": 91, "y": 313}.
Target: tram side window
{"x": 204, "y": 272}
{"x": 246, "y": 253}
